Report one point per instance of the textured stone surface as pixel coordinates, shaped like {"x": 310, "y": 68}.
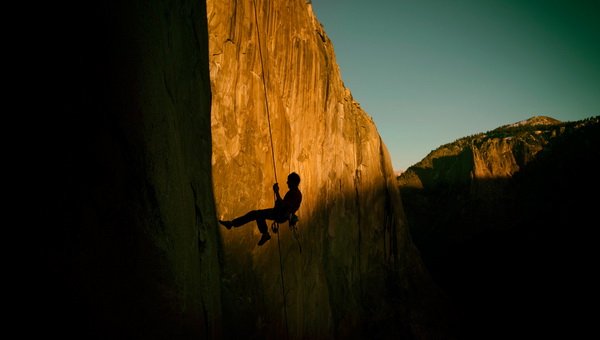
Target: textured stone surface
{"x": 482, "y": 163}
{"x": 130, "y": 236}
{"x": 354, "y": 237}
{"x": 472, "y": 175}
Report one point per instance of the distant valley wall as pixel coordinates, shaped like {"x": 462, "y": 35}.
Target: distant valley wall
{"x": 502, "y": 222}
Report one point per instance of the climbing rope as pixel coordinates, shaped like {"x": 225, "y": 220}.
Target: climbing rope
{"x": 262, "y": 67}
{"x": 275, "y": 224}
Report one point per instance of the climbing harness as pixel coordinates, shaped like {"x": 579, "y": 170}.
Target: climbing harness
{"x": 293, "y": 225}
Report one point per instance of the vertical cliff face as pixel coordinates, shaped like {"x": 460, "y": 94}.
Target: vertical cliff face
{"x": 129, "y": 230}
{"x": 353, "y": 234}
{"x": 469, "y": 180}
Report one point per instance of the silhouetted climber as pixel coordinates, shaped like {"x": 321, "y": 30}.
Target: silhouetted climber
{"x": 283, "y": 210}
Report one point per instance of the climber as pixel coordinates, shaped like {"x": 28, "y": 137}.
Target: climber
{"x": 284, "y": 208}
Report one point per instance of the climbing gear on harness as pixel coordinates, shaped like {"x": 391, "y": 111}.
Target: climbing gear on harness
{"x": 292, "y": 224}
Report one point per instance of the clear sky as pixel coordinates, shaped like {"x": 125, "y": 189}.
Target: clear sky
{"x": 432, "y": 71}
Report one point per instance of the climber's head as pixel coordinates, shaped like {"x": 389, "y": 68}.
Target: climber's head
{"x": 293, "y": 180}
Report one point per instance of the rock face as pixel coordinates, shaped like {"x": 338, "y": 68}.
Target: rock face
{"x": 474, "y": 173}
{"x": 129, "y": 242}
{"x": 496, "y": 215}
{"x": 130, "y": 239}
{"x": 354, "y": 239}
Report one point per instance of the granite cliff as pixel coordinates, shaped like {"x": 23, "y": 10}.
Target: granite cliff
{"x": 133, "y": 170}
{"x": 128, "y": 239}
{"x": 358, "y": 272}
{"x": 501, "y": 220}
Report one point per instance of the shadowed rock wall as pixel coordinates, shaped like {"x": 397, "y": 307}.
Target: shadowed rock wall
{"x": 358, "y": 266}
{"x": 130, "y": 236}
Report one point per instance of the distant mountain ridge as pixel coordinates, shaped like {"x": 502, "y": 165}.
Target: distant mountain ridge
{"x": 499, "y": 216}
{"x": 533, "y": 121}
{"x": 498, "y": 153}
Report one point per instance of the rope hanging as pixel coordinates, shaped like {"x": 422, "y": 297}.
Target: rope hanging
{"x": 262, "y": 67}
{"x": 273, "y": 159}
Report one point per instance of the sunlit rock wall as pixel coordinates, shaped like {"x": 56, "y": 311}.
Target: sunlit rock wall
{"x": 353, "y": 235}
